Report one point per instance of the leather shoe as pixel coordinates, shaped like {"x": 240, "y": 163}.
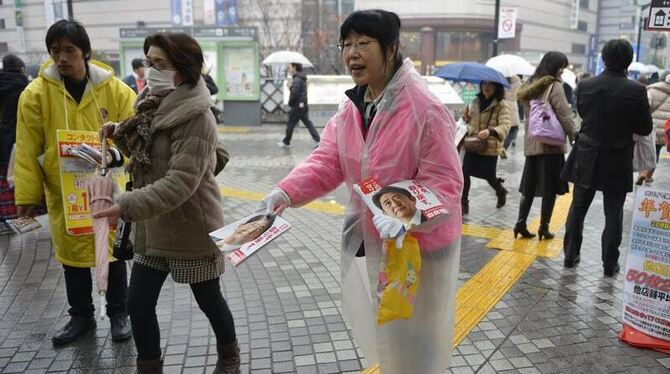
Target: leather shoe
{"x": 611, "y": 272}
{"x": 120, "y": 328}
{"x": 571, "y": 264}
{"x": 72, "y": 330}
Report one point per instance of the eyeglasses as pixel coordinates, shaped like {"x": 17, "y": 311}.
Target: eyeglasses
{"x": 157, "y": 66}
{"x": 348, "y": 47}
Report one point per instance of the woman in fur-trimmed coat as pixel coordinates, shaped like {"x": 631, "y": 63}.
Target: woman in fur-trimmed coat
{"x": 542, "y": 169}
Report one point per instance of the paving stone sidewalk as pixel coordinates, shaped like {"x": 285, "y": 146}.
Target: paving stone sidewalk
{"x": 286, "y": 300}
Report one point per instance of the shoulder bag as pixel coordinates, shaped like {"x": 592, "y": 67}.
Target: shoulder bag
{"x": 543, "y": 125}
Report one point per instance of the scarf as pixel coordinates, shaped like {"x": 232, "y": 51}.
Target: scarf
{"x": 135, "y": 132}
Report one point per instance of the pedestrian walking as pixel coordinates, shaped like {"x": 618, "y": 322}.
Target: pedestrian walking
{"x": 13, "y": 81}
{"x": 175, "y": 202}
{"x": 488, "y": 118}
{"x": 299, "y": 110}
{"x": 658, "y": 95}
{"x": 513, "y": 105}
{"x": 613, "y": 108}
{"x": 390, "y": 127}
{"x": 71, "y": 92}
{"x": 544, "y": 162}
{"x": 136, "y": 79}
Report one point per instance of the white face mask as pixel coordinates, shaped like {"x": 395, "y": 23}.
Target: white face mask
{"x": 160, "y": 80}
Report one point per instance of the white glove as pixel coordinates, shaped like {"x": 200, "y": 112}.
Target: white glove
{"x": 390, "y": 228}
{"x": 275, "y": 202}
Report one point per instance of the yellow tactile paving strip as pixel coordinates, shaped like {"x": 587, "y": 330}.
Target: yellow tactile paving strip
{"x": 484, "y": 289}
{"x": 233, "y": 129}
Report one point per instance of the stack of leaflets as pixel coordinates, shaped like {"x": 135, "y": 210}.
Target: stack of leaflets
{"x": 242, "y": 239}
{"x": 23, "y": 225}
{"x": 408, "y": 201}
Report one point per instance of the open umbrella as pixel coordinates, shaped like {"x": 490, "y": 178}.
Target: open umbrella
{"x": 100, "y": 191}
{"x": 287, "y": 57}
{"x": 638, "y": 67}
{"x": 509, "y": 65}
{"x": 473, "y": 72}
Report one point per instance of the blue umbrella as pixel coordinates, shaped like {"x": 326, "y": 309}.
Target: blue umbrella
{"x": 473, "y": 72}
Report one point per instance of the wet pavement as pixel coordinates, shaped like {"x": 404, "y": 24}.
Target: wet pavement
{"x": 519, "y": 310}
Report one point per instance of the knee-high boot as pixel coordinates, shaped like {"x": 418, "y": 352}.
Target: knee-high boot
{"x": 548, "y": 203}
{"x": 520, "y": 226}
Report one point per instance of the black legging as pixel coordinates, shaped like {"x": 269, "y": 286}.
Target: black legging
{"x": 493, "y": 182}
{"x": 145, "y": 286}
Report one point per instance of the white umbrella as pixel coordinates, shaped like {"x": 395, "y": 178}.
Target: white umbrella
{"x": 638, "y": 67}
{"x": 652, "y": 69}
{"x": 509, "y": 65}
{"x": 287, "y": 57}
{"x": 569, "y": 77}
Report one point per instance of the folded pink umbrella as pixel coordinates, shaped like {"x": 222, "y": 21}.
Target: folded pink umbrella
{"x": 100, "y": 190}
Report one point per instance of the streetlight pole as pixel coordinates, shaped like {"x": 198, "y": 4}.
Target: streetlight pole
{"x": 495, "y": 28}
{"x": 70, "y": 12}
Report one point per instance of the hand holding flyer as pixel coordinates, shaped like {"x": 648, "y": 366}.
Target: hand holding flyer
{"x": 241, "y": 239}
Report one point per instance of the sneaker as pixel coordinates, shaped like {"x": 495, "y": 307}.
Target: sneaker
{"x": 120, "y": 328}
{"x": 282, "y": 145}
{"x": 72, "y": 330}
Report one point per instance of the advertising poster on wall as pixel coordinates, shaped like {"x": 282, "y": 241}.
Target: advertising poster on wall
{"x": 240, "y": 73}
{"x": 646, "y": 298}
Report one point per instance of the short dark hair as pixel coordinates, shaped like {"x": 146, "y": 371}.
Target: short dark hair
{"x": 617, "y": 55}
{"x": 498, "y": 94}
{"x": 298, "y": 67}
{"x": 389, "y": 189}
{"x": 184, "y": 52}
{"x": 551, "y": 63}
{"x": 13, "y": 63}
{"x": 136, "y": 63}
{"x": 72, "y": 31}
{"x": 376, "y": 23}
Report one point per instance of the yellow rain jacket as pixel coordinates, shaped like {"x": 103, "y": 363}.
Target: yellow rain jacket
{"x": 44, "y": 107}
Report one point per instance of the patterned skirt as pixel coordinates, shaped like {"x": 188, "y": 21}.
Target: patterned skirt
{"x": 7, "y": 207}
{"x": 185, "y": 271}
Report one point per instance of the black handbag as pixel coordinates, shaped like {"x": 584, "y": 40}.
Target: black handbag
{"x": 474, "y": 144}
{"x": 123, "y": 246}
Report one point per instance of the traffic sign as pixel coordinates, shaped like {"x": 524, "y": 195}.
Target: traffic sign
{"x": 507, "y": 24}
{"x": 659, "y": 15}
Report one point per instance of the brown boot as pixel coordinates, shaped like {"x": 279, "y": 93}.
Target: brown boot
{"x": 229, "y": 359}
{"x": 150, "y": 366}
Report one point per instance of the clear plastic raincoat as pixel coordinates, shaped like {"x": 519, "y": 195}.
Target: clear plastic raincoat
{"x": 411, "y": 137}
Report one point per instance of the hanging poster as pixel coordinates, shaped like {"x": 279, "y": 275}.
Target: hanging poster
{"x": 240, "y": 69}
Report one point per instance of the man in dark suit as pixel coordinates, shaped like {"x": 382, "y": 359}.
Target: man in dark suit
{"x": 298, "y": 103}
{"x": 136, "y": 80}
{"x": 613, "y": 108}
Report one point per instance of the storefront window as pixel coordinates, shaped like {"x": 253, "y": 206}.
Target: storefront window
{"x": 462, "y": 46}
{"x": 410, "y": 45}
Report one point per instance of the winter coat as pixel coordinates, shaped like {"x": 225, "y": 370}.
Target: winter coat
{"x": 44, "y": 107}
{"x": 613, "y": 108}
{"x": 410, "y": 137}
{"x": 659, "y": 102}
{"x": 496, "y": 118}
{"x": 177, "y": 203}
{"x": 512, "y": 101}
{"x": 298, "y": 91}
{"x": 11, "y": 86}
{"x": 559, "y": 103}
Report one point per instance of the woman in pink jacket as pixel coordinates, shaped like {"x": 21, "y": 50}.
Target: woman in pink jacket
{"x": 390, "y": 128}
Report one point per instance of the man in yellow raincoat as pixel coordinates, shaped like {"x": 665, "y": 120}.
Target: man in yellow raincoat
{"x": 71, "y": 92}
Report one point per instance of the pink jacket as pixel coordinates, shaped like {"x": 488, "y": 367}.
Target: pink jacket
{"x": 411, "y": 137}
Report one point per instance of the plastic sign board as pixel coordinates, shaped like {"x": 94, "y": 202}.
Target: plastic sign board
{"x": 659, "y": 15}
{"x": 507, "y": 23}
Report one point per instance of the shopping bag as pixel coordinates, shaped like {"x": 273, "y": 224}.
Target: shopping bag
{"x": 644, "y": 152}
{"x": 543, "y": 125}
{"x": 398, "y": 280}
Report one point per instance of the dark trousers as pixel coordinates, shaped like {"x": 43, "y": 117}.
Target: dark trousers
{"x": 79, "y": 285}
{"x": 295, "y": 115}
{"x": 526, "y": 203}
{"x": 611, "y": 237}
{"x": 145, "y": 286}
{"x": 494, "y": 182}
{"x": 511, "y": 137}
